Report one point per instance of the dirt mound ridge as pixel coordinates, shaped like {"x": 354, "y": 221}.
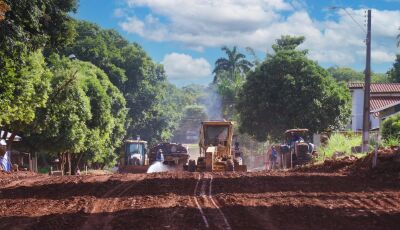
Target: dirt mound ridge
{"x": 387, "y": 162}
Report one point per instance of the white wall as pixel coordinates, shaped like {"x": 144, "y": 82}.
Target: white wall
{"x": 357, "y": 97}
{"x": 375, "y": 122}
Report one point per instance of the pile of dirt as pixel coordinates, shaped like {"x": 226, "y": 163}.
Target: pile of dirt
{"x": 329, "y": 165}
{"x": 8, "y": 177}
{"x": 387, "y": 162}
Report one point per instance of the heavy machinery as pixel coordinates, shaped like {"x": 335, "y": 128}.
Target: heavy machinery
{"x": 296, "y": 149}
{"x": 133, "y": 158}
{"x": 216, "y": 153}
{"x": 172, "y": 154}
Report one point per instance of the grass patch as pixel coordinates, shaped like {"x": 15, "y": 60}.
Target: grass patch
{"x": 391, "y": 141}
{"x": 339, "y": 143}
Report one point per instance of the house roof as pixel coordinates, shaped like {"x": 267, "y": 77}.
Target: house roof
{"x": 378, "y": 103}
{"x": 377, "y": 87}
{"x": 385, "y": 104}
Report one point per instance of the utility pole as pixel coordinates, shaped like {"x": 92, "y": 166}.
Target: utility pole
{"x": 367, "y": 88}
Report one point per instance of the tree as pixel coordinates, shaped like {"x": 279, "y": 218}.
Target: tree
{"x": 142, "y": 81}
{"x": 33, "y": 24}
{"x": 83, "y": 118}
{"x": 228, "y": 88}
{"x": 23, "y": 89}
{"x": 391, "y": 128}
{"x": 394, "y": 72}
{"x": 290, "y": 91}
{"x": 346, "y": 74}
{"x": 193, "y": 115}
{"x": 235, "y": 63}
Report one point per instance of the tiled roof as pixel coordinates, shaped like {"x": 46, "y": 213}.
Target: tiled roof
{"x": 379, "y": 102}
{"x": 378, "y": 87}
{"x": 354, "y": 85}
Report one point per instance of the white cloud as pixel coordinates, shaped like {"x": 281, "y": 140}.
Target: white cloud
{"x": 183, "y": 66}
{"x": 258, "y": 23}
{"x": 119, "y": 13}
{"x": 382, "y": 56}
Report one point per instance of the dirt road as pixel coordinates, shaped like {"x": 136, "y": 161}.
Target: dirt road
{"x": 295, "y": 200}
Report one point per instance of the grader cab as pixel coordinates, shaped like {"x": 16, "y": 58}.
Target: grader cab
{"x": 216, "y": 153}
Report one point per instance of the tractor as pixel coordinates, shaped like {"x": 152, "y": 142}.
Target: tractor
{"x": 133, "y": 158}
{"x": 299, "y": 147}
{"x": 216, "y": 153}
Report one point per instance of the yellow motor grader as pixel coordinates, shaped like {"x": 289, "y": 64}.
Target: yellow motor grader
{"x": 216, "y": 153}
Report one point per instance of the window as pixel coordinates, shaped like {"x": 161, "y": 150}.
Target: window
{"x": 216, "y": 135}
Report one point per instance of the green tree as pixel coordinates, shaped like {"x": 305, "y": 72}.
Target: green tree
{"x": 84, "y": 117}
{"x": 142, "y": 81}
{"x": 33, "y": 24}
{"x": 394, "y": 72}
{"x": 193, "y": 115}
{"x": 228, "y": 88}
{"x": 290, "y": 91}
{"x": 235, "y": 63}
{"x": 23, "y": 90}
{"x": 391, "y": 128}
{"x": 346, "y": 74}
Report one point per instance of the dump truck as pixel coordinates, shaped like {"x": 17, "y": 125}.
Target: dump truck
{"x": 216, "y": 152}
{"x": 169, "y": 154}
{"x": 133, "y": 157}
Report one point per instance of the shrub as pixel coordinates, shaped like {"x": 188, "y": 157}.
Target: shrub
{"x": 340, "y": 143}
{"x": 391, "y": 128}
{"x": 391, "y": 141}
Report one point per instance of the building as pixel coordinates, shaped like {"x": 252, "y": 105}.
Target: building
{"x": 384, "y": 101}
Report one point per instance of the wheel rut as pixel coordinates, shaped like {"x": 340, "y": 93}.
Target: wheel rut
{"x": 211, "y": 213}
{"x": 107, "y": 206}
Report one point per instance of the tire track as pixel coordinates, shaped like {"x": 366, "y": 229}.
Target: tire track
{"x": 103, "y": 222}
{"x": 209, "y": 209}
{"x": 198, "y": 204}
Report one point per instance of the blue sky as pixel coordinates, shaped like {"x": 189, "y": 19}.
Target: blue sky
{"x": 186, "y": 35}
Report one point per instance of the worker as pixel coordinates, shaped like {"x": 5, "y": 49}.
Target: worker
{"x": 160, "y": 155}
{"x": 295, "y": 139}
{"x": 274, "y": 157}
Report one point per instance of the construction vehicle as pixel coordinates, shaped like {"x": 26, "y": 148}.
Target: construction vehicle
{"x": 216, "y": 153}
{"x": 172, "y": 154}
{"x": 134, "y": 158}
{"x": 296, "y": 149}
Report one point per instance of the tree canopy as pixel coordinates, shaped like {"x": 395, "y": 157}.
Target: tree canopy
{"x": 394, "y": 72}
{"x": 235, "y": 63}
{"x": 142, "y": 82}
{"x": 288, "y": 90}
{"x": 32, "y": 24}
{"x": 84, "y": 115}
{"x": 346, "y": 74}
{"x": 23, "y": 89}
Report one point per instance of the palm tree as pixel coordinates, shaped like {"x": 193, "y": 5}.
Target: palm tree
{"x": 235, "y": 63}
